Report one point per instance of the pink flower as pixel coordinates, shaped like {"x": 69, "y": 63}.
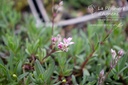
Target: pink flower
{"x": 60, "y": 45}
{"x": 65, "y": 44}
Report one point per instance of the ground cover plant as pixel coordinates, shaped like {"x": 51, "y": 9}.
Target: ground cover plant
{"x": 31, "y": 55}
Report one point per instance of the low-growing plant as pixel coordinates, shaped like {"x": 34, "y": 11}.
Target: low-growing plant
{"x": 31, "y": 55}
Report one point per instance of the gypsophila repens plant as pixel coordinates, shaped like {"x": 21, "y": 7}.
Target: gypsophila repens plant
{"x": 31, "y": 55}
{"x": 57, "y": 41}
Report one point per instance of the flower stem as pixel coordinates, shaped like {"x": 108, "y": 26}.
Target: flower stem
{"x": 53, "y": 16}
{"x": 48, "y": 55}
{"x": 107, "y": 73}
{"x": 86, "y": 61}
{"x": 91, "y": 54}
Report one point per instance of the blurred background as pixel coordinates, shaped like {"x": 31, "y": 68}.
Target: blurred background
{"x": 42, "y": 11}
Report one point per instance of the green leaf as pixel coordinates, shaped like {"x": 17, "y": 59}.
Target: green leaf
{"x": 122, "y": 62}
{"x": 38, "y": 67}
{"x": 22, "y": 76}
{"x": 92, "y": 83}
{"x": 26, "y": 50}
{"x": 49, "y": 71}
{"x": 36, "y": 45}
{"x": 33, "y": 80}
{"x": 5, "y": 71}
{"x": 44, "y": 52}
{"x": 85, "y": 72}
{"x": 84, "y": 79}
{"x": 19, "y": 67}
{"x": 74, "y": 80}
{"x": 58, "y": 83}
{"x": 126, "y": 67}
{"x": 67, "y": 72}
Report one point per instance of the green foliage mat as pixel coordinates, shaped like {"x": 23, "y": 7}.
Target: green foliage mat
{"x": 23, "y": 45}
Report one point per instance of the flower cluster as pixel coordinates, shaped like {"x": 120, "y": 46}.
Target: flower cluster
{"x": 115, "y": 57}
{"x": 62, "y": 45}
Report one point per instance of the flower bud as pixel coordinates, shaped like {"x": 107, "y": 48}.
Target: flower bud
{"x": 120, "y": 52}
{"x": 59, "y": 38}
{"x": 14, "y": 75}
{"x": 54, "y": 40}
{"x": 64, "y": 80}
{"x": 101, "y": 77}
{"x": 102, "y": 73}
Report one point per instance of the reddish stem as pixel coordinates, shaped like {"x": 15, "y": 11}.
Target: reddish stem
{"x": 53, "y": 16}
{"x": 87, "y": 59}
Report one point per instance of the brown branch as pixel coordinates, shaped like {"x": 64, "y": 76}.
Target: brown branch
{"x": 87, "y": 59}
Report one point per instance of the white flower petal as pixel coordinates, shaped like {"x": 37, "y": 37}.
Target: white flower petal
{"x": 69, "y": 39}
{"x": 61, "y": 43}
{"x": 113, "y": 52}
{"x": 71, "y": 43}
{"x": 65, "y": 40}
